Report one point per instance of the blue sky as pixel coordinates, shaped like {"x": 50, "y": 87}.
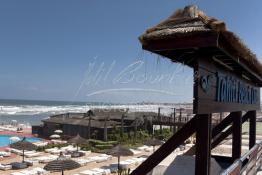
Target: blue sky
{"x": 89, "y": 50}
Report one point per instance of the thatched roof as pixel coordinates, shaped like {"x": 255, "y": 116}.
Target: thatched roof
{"x": 119, "y": 151}
{"x": 23, "y": 145}
{"x": 80, "y": 122}
{"x": 192, "y": 21}
{"x": 61, "y": 164}
{"x": 110, "y": 112}
{"x": 78, "y": 140}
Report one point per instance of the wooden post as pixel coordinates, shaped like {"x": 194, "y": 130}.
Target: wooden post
{"x": 203, "y": 144}
{"x": 174, "y": 126}
{"x": 180, "y": 118}
{"x": 160, "y": 119}
{"x": 221, "y": 116}
{"x": 122, "y": 126}
{"x": 236, "y": 135}
{"x": 135, "y": 128}
{"x": 105, "y": 129}
{"x": 252, "y": 129}
{"x": 89, "y": 127}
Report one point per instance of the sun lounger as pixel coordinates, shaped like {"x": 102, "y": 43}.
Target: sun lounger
{"x": 55, "y": 141}
{"x": 26, "y": 172}
{"x": 19, "y": 152}
{"x": 50, "y": 149}
{"x": 86, "y": 153}
{"x": 5, "y": 167}
{"x": 16, "y": 151}
{"x": 139, "y": 159}
{"x": 145, "y": 148}
{"x": 88, "y": 172}
{"x": 17, "y": 173}
{"x": 38, "y": 170}
{"x": 46, "y": 159}
{"x": 5, "y": 154}
{"x": 99, "y": 159}
{"x": 135, "y": 152}
{"x": 124, "y": 165}
{"x": 113, "y": 168}
{"x": 40, "y": 144}
{"x": 84, "y": 162}
{"x": 102, "y": 170}
{"x": 34, "y": 171}
{"x": 98, "y": 171}
{"x": 149, "y": 149}
{"x": 32, "y": 154}
{"x": 131, "y": 161}
{"x": 69, "y": 148}
{"x": 57, "y": 151}
{"x": 106, "y": 155}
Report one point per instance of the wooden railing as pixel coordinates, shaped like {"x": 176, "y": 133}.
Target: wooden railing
{"x": 248, "y": 164}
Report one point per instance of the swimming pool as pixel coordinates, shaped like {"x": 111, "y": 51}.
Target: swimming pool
{"x": 5, "y": 140}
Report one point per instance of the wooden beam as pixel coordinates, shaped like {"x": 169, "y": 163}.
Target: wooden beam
{"x": 219, "y": 138}
{"x": 252, "y": 129}
{"x": 203, "y": 144}
{"x": 217, "y": 135}
{"x": 159, "y": 116}
{"x": 222, "y": 136}
{"x": 236, "y": 135}
{"x": 222, "y": 125}
{"x": 177, "y": 139}
{"x": 194, "y": 41}
{"x": 180, "y": 117}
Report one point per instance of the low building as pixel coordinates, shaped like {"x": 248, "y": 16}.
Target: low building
{"x": 98, "y": 122}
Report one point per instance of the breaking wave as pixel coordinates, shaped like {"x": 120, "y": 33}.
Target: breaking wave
{"x": 50, "y": 110}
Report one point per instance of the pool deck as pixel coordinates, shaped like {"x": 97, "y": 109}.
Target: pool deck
{"x": 25, "y": 133}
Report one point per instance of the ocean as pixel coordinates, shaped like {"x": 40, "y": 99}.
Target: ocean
{"x": 33, "y": 111}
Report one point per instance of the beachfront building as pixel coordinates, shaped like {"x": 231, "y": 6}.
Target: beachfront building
{"x": 95, "y": 123}
{"x": 99, "y": 123}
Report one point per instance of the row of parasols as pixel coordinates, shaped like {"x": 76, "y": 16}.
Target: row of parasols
{"x": 62, "y": 163}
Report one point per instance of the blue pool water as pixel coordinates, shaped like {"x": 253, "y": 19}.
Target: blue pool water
{"x": 5, "y": 140}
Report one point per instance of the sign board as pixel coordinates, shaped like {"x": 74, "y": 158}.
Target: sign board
{"x": 219, "y": 89}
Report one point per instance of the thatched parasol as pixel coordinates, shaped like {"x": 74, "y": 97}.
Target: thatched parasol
{"x": 61, "y": 164}
{"x": 118, "y": 151}
{"x": 191, "y": 21}
{"x": 154, "y": 142}
{"x": 78, "y": 140}
{"x": 23, "y": 145}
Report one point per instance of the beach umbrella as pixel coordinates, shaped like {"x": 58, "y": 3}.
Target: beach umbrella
{"x": 118, "y": 151}
{"x": 58, "y": 131}
{"x": 154, "y": 142}
{"x": 55, "y": 136}
{"x": 62, "y": 163}
{"x": 14, "y": 139}
{"x": 78, "y": 140}
{"x": 23, "y": 145}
